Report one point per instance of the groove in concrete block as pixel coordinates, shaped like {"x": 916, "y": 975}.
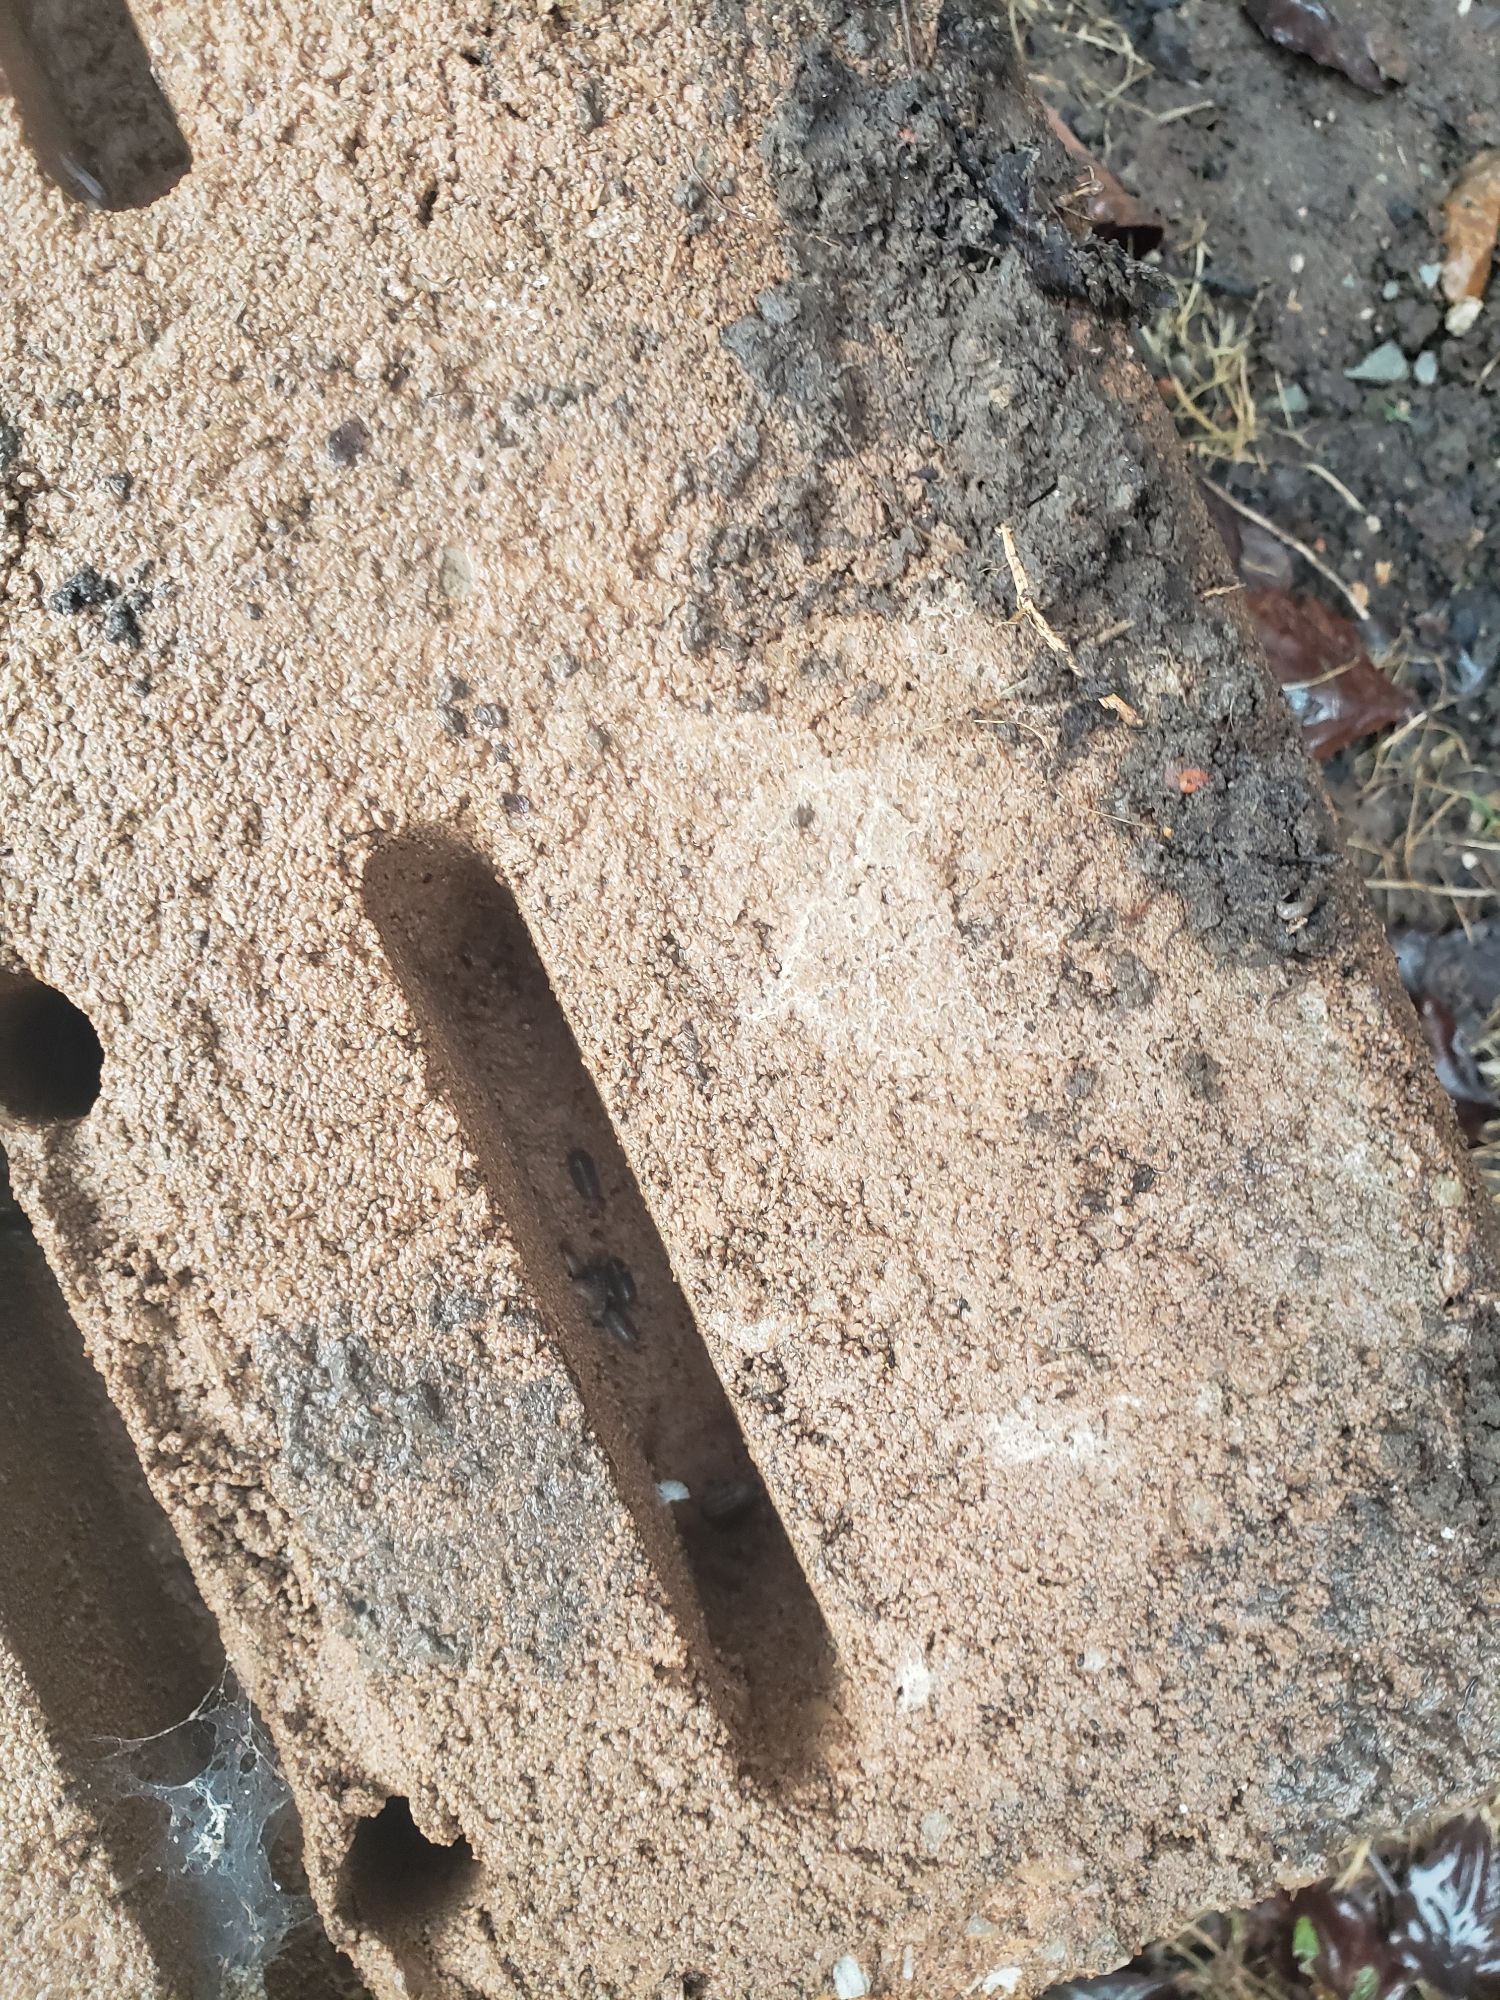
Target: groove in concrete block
{"x": 93, "y": 112}
{"x": 560, "y": 1175}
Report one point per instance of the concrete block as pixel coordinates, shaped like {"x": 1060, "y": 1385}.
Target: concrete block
{"x": 751, "y": 1179}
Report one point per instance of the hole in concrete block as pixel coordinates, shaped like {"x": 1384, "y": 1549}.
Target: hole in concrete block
{"x": 51, "y": 1060}
{"x": 92, "y": 111}
{"x": 102, "y": 1619}
{"x": 504, "y": 1052}
{"x": 396, "y": 1880}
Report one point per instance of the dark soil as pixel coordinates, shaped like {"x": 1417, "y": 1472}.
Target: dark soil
{"x": 932, "y": 306}
{"x": 1320, "y": 205}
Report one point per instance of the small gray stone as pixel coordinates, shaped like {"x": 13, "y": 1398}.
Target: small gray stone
{"x": 455, "y": 572}
{"x": 1425, "y": 368}
{"x": 1387, "y": 364}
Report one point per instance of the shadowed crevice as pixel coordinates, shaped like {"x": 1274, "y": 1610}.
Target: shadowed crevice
{"x": 506, "y": 1055}
{"x": 91, "y": 107}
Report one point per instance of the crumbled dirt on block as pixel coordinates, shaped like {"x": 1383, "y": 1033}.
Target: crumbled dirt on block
{"x": 938, "y": 303}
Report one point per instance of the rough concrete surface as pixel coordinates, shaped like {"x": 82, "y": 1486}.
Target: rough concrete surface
{"x": 65, "y": 1931}
{"x": 617, "y": 709}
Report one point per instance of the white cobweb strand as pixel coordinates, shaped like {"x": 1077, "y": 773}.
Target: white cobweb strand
{"x": 220, "y": 1824}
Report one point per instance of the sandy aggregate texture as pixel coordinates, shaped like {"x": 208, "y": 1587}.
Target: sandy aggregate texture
{"x": 616, "y": 705}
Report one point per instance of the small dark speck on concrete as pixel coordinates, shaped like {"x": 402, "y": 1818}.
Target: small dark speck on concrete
{"x": 122, "y": 623}
{"x": 803, "y": 818}
{"x": 10, "y": 446}
{"x": 84, "y": 590}
{"x": 516, "y": 804}
{"x": 491, "y": 715}
{"x": 349, "y": 443}
{"x": 454, "y": 721}
{"x": 455, "y": 689}
{"x": 121, "y": 484}
{"x": 588, "y": 104}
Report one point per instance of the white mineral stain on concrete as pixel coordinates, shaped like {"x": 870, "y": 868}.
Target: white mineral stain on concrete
{"x": 1025, "y": 1435}
{"x": 869, "y": 943}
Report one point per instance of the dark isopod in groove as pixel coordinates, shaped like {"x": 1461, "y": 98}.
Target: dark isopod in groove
{"x": 585, "y": 1175}
{"x": 618, "y": 1281}
{"x": 615, "y": 1320}
{"x": 729, "y": 1500}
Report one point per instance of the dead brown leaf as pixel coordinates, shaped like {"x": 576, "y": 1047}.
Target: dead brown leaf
{"x": 1310, "y": 28}
{"x": 1332, "y": 686}
{"x": 1471, "y": 222}
{"x": 1109, "y": 209}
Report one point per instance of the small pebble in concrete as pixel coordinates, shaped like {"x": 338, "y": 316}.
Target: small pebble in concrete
{"x": 455, "y": 573}
{"x": 849, "y": 1981}
{"x": 1429, "y": 274}
{"x": 1385, "y": 365}
{"x": 1425, "y": 368}
{"x": 671, "y": 1491}
{"x": 349, "y": 443}
{"x": 84, "y": 590}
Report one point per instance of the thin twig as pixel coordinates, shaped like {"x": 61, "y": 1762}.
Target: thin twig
{"x": 1437, "y": 889}
{"x": 911, "y": 47}
{"x": 1321, "y": 471}
{"x": 1026, "y": 604}
{"x": 1308, "y": 555}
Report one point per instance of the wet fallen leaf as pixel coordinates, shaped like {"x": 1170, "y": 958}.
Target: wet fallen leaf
{"x": 1336, "y": 1940}
{"x": 1109, "y": 209}
{"x": 1445, "y": 1921}
{"x": 1310, "y": 28}
{"x": 1421, "y": 1921}
{"x": 1471, "y": 222}
{"x": 1333, "y": 687}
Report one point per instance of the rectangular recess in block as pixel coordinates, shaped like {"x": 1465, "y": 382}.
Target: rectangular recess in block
{"x": 90, "y": 105}
{"x": 505, "y": 1053}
